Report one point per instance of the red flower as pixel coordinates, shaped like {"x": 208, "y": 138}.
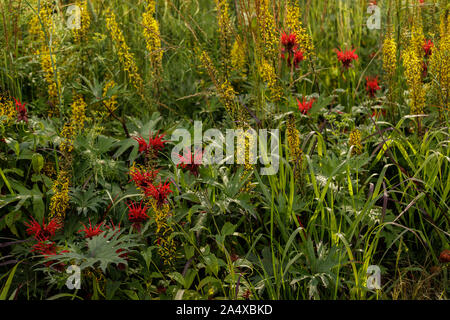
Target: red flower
{"x": 305, "y": 106}
{"x": 142, "y": 178}
{"x": 44, "y": 231}
{"x": 346, "y": 57}
{"x": 154, "y": 144}
{"x": 91, "y": 231}
{"x": 48, "y": 249}
{"x": 444, "y": 257}
{"x": 298, "y": 57}
{"x": 159, "y": 193}
{"x": 191, "y": 162}
{"x": 427, "y": 47}
{"x": 137, "y": 214}
{"x": 372, "y": 86}
{"x": 22, "y": 113}
{"x": 288, "y": 41}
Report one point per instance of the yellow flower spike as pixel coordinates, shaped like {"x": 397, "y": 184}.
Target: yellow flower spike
{"x": 355, "y": 141}
{"x": 152, "y": 36}
{"x": 123, "y": 52}
{"x": 294, "y": 24}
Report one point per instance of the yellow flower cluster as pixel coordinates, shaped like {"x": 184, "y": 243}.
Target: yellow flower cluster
{"x": 164, "y": 231}
{"x": 225, "y": 90}
{"x": 152, "y": 36}
{"x": 389, "y": 55}
{"x": 440, "y": 63}
{"x": 7, "y": 109}
{"x": 294, "y": 24}
{"x": 41, "y": 29}
{"x": 268, "y": 30}
{"x": 72, "y": 127}
{"x": 111, "y": 103}
{"x": 355, "y": 141}
{"x": 225, "y": 32}
{"x": 295, "y": 151}
{"x": 53, "y": 83}
{"x": 413, "y": 74}
{"x": 238, "y": 57}
{"x": 60, "y": 199}
{"x": 41, "y": 23}
{"x": 123, "y": 51}
{"x": 417, "y": 38}
{"x": 80, "y": 34}
{"x": 247, "y": 140}
{"x": 267, "y": 73}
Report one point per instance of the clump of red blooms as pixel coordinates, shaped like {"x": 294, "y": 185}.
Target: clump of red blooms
{"x": 142, "y": 178}
{"x": 428, "y": 50}
{"x": 159, "y": 192}
{"x": 155, "y": 143}
{"x": 91, "y": 231}
{"x": 22, "y": 113}
{"x": 346, "y": 57}
{"x": 45, "y": 231}
{"x": 372, "y": 86}
{"x": 191, "y": 162}
{"x": 428, "y": 47}
{"x": 47, "y": 249}
{"x": 290, "y": 51}
{"x": 137, "y": 214}
{"x": 305, "y": 106}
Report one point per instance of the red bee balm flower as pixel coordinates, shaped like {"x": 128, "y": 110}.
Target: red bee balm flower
{"x": 44, "y": 231}
{"x": 427, "y": 47}
{"x": 154, "y": 143}
{"x": 372, "y": 86}
{"x": 137, "y": 214}
{"x": 346, "y": 57}
{"x": 48, "y": 249}
{"x": 294, "y": 54}
{"x": 22, "y": 113}
{"x": 191, "y": 162}
{"x": 305, "y": 106}
{"x": 288, "y": 40}
{"x": 142, "y": 178}
{"x": 159, "y": 193}
{"x": 91, "y": 231}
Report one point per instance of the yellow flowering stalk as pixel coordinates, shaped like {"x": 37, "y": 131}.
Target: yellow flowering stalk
{"x": 123, "y": 52}
{"x": 355, "y": 141}
{"x": 80, "y": 34}
{"x": 440, "y": 65}
{"x": 7, "y": 109}
{"x": 164, "y": 230}
{"x": 111, "y": 103}
{"x": 247, "y": 140}
{"x": 389, "y": 55}
{"x": 225, "y": 33}
{"x": 73, "y": 126}
{"x": 267, "y": 73}
{"x": 295, "y": 151}
{"x": 41, "y": 30}
{"x": 413, "y": 74}
{"x": 59, "y": 203}
{"x": 225, "y": 90}
{"x": 152, "y": 36}
{"x": 238, "y": 57}
{"x": 268, "y": 30}
{"x": 294, "y": 24}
